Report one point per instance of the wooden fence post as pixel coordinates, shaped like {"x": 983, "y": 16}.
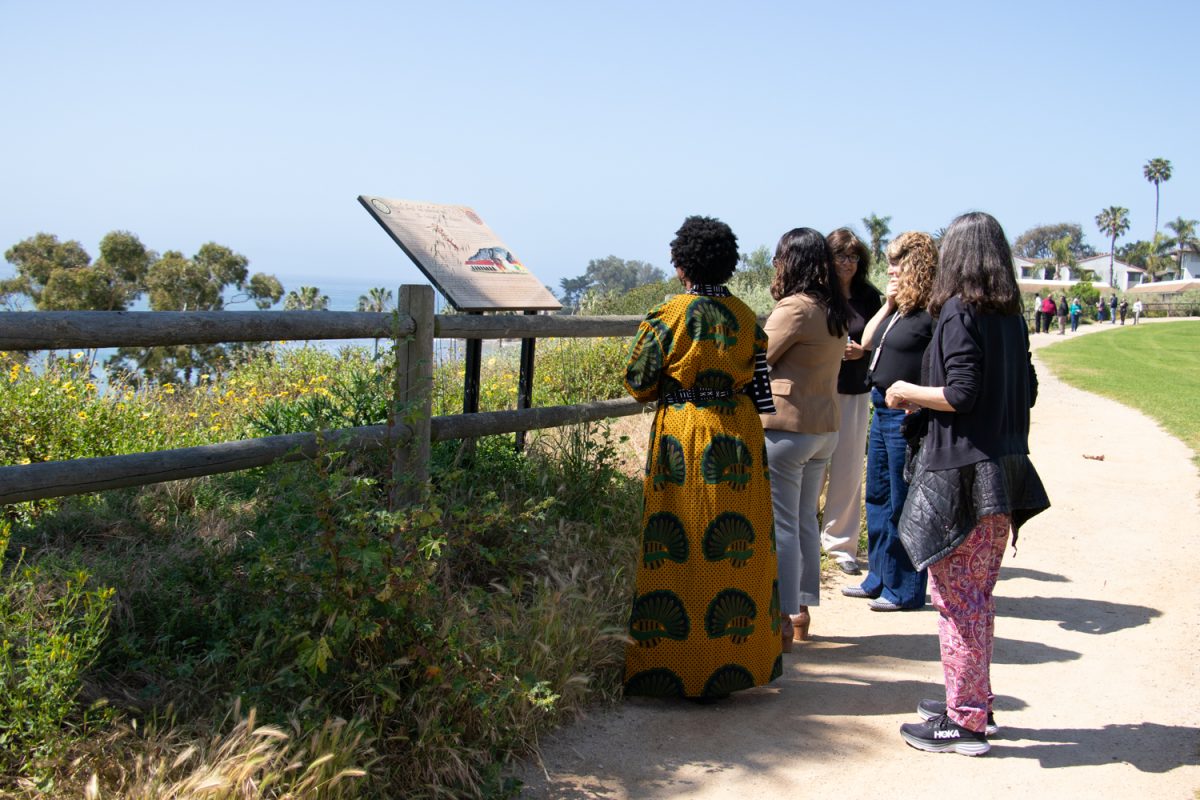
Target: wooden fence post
{"x": 413, "y": 401}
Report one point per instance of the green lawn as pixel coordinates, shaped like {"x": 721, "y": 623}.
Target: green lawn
{"x": 1153, "y": 368}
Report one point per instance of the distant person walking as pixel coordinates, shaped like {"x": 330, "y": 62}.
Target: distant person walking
{"x": 973, "y": 481}
{"x": 1137, "y": 311}
{"x": 1037, "y": 312}
{"x": 1123, "y": 308}
{"x": 1062, "y": 315}
{"x": 1049, "y": 312}
{"x": 1076, "y": 312}
{"x": 1112, "y": 308}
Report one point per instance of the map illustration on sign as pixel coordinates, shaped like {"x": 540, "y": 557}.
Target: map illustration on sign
{"x": 461, "y": 256}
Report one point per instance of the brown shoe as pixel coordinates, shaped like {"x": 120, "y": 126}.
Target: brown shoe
{"x": 800, "y": 623}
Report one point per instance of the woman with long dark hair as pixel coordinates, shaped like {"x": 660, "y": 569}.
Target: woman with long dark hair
{"x": 843, "y": 486}
{"x": 973, "y": 480}
{"x": 705, "y": 620}
{"x": 806, "y": 335}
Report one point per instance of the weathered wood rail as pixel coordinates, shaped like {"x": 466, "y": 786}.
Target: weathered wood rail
{"x": 408, "y": 433}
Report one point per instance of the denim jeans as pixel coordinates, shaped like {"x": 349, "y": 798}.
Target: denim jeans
{"x": 797, "y": 462}
{"x": 890, "y": 575}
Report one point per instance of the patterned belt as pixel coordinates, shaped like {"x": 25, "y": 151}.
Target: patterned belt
{"x": 680, "y": 396}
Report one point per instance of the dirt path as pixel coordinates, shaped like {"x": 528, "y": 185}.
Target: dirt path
{"x": 1097, "y": 659}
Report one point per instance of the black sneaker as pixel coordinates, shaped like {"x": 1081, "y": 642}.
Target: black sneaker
{"x": 928, "y": 709}
{"x": 942, "y": 735}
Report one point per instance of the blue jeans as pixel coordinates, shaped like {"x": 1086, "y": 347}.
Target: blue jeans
{"x": 1074, "y": 322}
{"x": 797, "y": 462}
{"x": 890, "y": 574}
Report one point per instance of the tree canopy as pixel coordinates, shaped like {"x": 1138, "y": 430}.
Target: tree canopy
{"x": 607, "y": 276}
{"x": 878, "y": 230}
{"x": 61, "y": 276}
{"x": 1038, "y": 242}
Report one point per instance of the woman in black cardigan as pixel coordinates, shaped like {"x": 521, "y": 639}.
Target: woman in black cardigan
{"x": 972, "y": 480}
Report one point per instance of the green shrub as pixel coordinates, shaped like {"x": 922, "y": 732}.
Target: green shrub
{"x": 51, "y": 628}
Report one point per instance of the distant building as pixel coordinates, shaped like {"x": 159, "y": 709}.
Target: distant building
{"x": 1035, "y": 275}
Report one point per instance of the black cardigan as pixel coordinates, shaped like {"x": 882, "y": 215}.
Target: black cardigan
{"x": 983, "y": 361}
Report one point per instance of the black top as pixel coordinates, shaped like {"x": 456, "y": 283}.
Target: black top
{"x": 982, "y": 359}
{"x": 864, "y": 302}
{"x": 903, "y": 346}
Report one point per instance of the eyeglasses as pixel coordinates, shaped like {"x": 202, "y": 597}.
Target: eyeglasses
{"x": 846, "y": 258}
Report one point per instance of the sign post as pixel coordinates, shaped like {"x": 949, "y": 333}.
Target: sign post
{"x": 473, "y": 269}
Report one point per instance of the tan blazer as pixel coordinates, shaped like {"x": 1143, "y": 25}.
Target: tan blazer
{"x": 804, "y": 359}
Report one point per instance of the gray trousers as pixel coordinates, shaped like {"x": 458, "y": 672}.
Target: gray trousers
{"x": 797, "y": 462}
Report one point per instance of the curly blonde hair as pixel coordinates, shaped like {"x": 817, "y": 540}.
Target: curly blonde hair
{"x": 916, "y": 253}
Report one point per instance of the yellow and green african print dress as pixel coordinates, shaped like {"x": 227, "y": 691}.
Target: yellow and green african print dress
{"x": 705, "y": 619}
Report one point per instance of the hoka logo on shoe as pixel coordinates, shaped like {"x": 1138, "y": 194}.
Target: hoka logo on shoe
{"x": 945, "y": 734}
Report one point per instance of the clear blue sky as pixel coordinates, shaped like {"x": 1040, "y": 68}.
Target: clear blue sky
{"x": 579, "y": 131}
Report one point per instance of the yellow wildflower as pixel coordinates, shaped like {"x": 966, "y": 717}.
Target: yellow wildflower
{"x": 82, "y": 415}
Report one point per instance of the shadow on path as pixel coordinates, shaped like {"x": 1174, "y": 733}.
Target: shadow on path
{"x": 1146, "y": 746}
{"x": 1012, "y": 573}
{"x": 924, "y": 647}
{"x": 1077, "y": 614}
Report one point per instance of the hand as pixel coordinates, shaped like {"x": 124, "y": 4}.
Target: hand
{"x": 898, "y": 396}
{"x": 893, "y": 286}
{"x": 854, "y": 351}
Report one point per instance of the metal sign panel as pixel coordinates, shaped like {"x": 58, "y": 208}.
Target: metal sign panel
{"x": 461, "y": 256}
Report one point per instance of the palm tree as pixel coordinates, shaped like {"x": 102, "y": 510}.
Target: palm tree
{"x": 306, "y": 298}
{"x": 877, "y": 228}
{"x": 1157, "y": 170}
{"x": 1062, "y": 257}
{"x": 1185, "y": 238}
{"x": 377, "y": 299}
{"x": 1158, "y": 257}
{"x": 1112, "y": 221}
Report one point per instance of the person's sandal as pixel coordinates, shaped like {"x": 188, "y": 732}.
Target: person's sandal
{"x": 800, "y": 623}
{"x": 786, "y": 633}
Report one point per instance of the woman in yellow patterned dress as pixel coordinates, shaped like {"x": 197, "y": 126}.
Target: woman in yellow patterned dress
{"x": 705, "y": 619}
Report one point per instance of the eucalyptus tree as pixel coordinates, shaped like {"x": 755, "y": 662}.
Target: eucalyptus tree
{"x": 60, "y": 276}
{"x": 1185, "y": 238}
{"x": 1112, "y": 222}
{"x": 877, "y": 230}
{"x": 1157, "y": 171}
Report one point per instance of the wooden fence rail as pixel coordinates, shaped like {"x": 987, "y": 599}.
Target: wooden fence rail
{"x": 408, "y": 433}
{"x": 53, "y": 330}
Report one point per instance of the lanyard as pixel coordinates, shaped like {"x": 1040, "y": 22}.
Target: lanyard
{"x": 882, "y": 339}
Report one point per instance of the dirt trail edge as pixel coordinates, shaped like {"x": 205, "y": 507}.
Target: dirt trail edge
{"x": 1096, "y": 668}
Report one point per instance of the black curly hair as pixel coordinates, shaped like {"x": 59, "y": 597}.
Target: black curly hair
{"x": 705, "y": 249}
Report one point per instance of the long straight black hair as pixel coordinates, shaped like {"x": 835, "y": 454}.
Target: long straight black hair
{"x": 976, "y": 265}
{"x": 804, "y": 265}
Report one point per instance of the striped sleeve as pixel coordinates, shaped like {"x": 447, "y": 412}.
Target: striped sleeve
{"x": 759, "y": 387}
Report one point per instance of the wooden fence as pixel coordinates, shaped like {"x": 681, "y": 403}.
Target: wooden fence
{"x": 408, "y": 432}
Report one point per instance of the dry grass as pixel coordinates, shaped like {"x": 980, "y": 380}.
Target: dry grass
{"x": 248, "y": 761}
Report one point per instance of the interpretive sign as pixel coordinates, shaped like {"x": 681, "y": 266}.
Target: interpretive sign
{"x": 461, "y": 256}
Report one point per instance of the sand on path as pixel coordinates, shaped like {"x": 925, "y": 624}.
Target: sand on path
{"x": 1097, "y": 658}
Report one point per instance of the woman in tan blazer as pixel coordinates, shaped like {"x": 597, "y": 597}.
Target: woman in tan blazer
{"x": 806, "y": 335}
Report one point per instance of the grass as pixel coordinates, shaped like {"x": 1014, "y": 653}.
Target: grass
{"x": 1153, "y": 368}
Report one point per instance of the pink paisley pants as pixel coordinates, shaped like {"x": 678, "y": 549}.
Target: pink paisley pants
{"x": 961, "y": 587}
